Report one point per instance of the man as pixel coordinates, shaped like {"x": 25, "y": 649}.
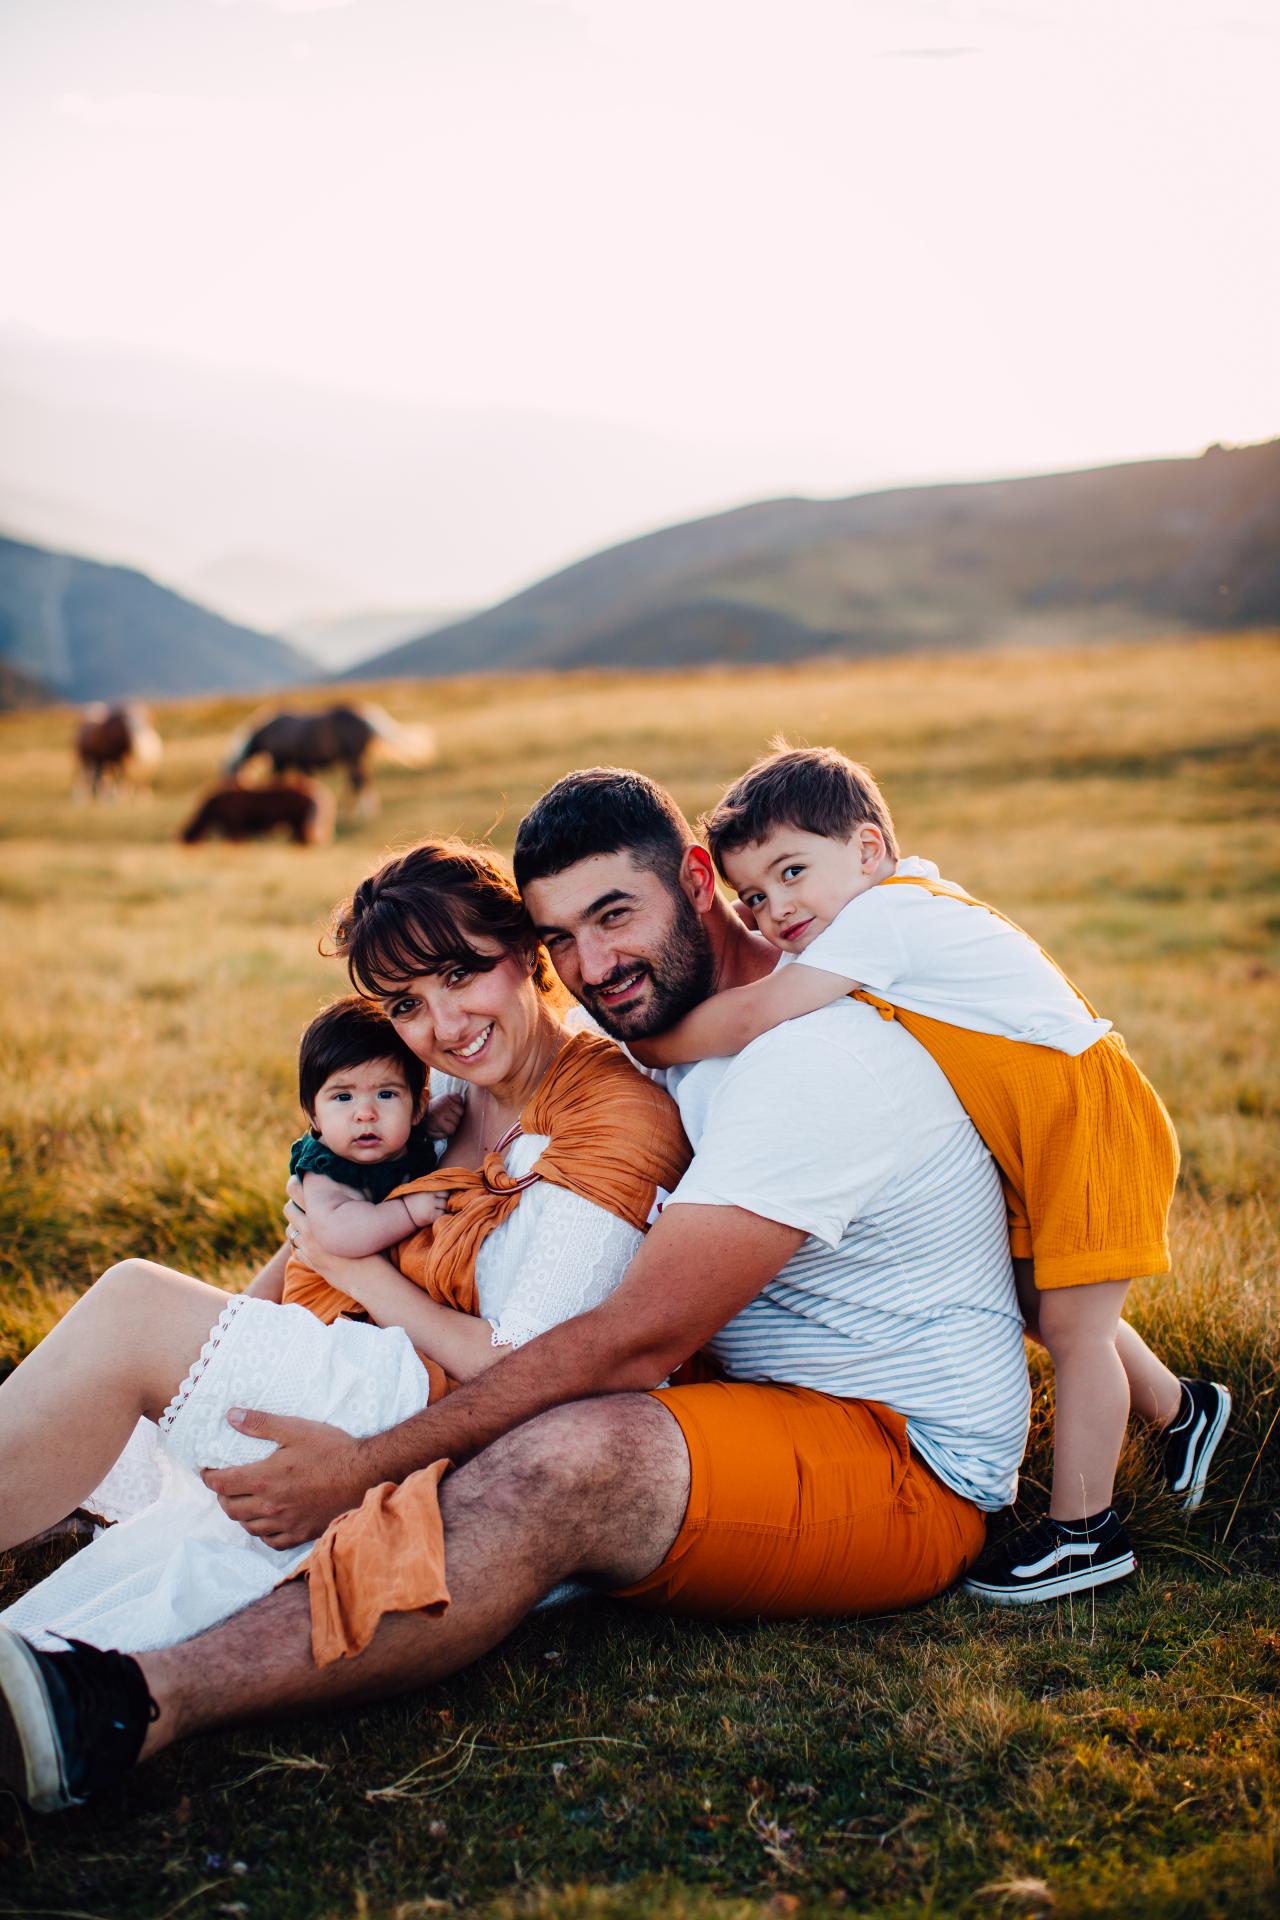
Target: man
{"x": 841, "y": 1230}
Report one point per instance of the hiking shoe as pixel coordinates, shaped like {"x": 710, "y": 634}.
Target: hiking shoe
{"x": 1048, "y": 1559}
{"x": 1188, "y": 1446}
{"x": 70, "y": 1723}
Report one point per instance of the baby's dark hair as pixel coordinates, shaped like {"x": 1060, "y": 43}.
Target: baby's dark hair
{"x": 348, "y": 1034}
{"x": 815, "y": 789}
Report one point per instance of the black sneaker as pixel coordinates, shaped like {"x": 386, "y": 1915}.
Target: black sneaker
{"x": 1048, "y": 1559}
{"x": 1188, "y": 1446}
{"x": 70, "y": 1723}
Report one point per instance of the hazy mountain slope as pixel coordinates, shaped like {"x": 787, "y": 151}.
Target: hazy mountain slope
{"x": 1119, "y": 550}
{"x": 402, "y": 503}
{"x": 93, "y": 632}
{"x": 340, "y": 642}
{"x": 19, "y": 689}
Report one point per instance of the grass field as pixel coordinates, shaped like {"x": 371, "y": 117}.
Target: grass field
{"x": 1117, "y": 1759}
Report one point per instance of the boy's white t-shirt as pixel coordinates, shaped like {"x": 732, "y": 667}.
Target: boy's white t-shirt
{"x": 953, "y": 960}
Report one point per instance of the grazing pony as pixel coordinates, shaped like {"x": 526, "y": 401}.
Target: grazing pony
{"x": 338, "y": 736}
{"x": 303, "y": 807}
{"x": 113, "y": 743}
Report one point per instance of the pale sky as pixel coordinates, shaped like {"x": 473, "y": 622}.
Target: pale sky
{"x": 920, "y": 239}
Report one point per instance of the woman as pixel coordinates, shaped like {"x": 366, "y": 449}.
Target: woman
{"x": 553, "y": 1173}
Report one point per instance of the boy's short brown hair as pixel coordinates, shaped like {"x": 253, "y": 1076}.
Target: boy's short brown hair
{"x": 815, "y": 789}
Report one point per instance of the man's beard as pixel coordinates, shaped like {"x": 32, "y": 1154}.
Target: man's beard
{"x": 681, "y": 975}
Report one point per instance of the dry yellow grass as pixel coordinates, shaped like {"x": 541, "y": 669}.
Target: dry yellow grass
{"x": 1120, "y": 803}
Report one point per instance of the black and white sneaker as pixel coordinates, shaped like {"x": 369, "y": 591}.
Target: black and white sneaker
{"x": 1188, "y": 1446}
{"x": 1049, "y": 1559}
{"x": 70, "y": 1722}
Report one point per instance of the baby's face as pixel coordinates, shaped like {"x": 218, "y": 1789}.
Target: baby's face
{"x": 795, "y": 883}
{"x": 365, "y": 1113}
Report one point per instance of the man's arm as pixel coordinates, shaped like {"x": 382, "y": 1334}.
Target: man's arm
{"x": 731, "y": 1020}
{"x": 697, "y": 1268}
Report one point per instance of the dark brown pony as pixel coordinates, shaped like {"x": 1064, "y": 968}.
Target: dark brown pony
{"x": 302, "y": 807}
{"x": 337, "y": 736}
{"x": 113, "y": 744}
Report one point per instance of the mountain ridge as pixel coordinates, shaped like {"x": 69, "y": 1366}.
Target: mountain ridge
{"x": 85, "y": 630}
{"x": 1130, "y": 548}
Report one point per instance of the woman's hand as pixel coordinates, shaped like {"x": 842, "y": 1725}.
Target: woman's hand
{"x": 347, "y": 1275}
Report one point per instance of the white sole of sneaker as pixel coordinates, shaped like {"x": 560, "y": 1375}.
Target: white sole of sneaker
{"x": 1054, "y": 1586}
{"x": 30, "y": 1757}
{"x": 1208, "y": 1447}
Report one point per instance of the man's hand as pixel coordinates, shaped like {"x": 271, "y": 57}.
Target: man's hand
{"x": 315, "y": 1473}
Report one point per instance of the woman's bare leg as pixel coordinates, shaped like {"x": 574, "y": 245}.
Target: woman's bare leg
{"x": 67, "y": 1411}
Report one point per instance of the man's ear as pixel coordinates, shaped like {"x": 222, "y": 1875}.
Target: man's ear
{"x": 698, "y": 878}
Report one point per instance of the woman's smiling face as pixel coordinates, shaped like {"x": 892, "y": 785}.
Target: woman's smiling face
{"x": 478, "y": 1025}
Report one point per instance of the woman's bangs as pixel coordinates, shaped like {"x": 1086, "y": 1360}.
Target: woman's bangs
{"x": 391, "y": 945}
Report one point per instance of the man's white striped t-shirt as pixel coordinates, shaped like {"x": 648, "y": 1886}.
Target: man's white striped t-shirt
{"x": 841, "y": 1125}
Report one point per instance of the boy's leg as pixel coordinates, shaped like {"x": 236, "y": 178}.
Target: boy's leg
{"x": 65, "y": 1414}
{"x": 1155, "y": 1394}
{"x": 1078, "y": 1325}
{"x": 1081, "y": 1545}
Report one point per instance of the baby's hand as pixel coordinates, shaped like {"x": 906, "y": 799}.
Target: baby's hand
{"x": 444, "y": 1114}
{"x": 425, "y": 1208}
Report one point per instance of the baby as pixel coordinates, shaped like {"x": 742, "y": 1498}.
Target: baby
{"x": 372, "y": 1129}
{"x": 1085, "y": 1149}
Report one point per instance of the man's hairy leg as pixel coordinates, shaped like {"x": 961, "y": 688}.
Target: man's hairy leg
{"x": 597, "y": 1488}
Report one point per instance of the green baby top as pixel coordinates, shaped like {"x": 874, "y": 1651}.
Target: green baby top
{"x": 309, "y": 1155}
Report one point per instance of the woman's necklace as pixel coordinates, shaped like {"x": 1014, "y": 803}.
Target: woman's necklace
{"x": 486, "y": 1105}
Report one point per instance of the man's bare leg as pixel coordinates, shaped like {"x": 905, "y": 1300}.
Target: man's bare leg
{"x": 598, "y": 1488}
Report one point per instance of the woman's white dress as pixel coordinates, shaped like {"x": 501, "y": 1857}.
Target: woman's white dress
{"x": 175, "y": 1564}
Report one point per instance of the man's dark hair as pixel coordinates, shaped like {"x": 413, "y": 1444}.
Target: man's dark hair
{"x": 602, "y": 810}
{"x": 813, "y": 788}
{"x": 348, "y": 1034}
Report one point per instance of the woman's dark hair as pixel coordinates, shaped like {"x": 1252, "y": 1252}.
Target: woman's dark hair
{"x": 348, "y": 1034}
{"x": 602, "y": 810}
{"x": 421, "y": 912}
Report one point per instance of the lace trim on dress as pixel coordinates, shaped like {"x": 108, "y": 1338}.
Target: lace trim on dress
{"x": 514, "y": 1332}
{"x": 199, "y": 1364}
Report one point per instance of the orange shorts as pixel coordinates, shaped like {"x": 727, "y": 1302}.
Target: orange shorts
{"x": 1087, "y": 1153}
{"x": 803, "y": 1504}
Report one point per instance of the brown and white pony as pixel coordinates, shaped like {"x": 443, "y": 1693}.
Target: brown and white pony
{"x": 114, "y": 744}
